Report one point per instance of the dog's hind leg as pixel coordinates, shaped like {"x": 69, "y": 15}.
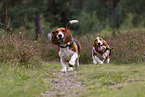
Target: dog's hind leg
{"x": 70, "y": 69}
{"x": 107, "y": 59}
{"x": 77, "y": 63}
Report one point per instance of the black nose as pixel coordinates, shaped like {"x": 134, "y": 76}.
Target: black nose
{"x": 59, "y": 35}
{"x": 99, "y": 44}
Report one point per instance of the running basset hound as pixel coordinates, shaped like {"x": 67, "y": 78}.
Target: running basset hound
{"x": 68, "y": 48}
{"x": 101, "y": 51}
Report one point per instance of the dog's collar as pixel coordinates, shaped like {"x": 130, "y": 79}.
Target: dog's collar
{"x": 68, "y": 44}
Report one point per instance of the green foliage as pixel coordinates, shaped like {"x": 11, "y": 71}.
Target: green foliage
{"x": 113, "y": 14}
{"x": 58, "y": 13}
{"x": 20, "y": 13}
{"x": 89, "y": 23}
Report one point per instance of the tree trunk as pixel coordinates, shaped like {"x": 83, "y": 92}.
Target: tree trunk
{"x": 38, "y": 27}
{"x": 112, "y": 8}
{"x": 108, "y": 8}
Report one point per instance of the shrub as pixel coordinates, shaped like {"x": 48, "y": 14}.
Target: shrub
{"x": 17, "y": 51}
{"x": 49, "y": 51}
{"x": 129, "y": 48}
{"x": 86, "y": 51}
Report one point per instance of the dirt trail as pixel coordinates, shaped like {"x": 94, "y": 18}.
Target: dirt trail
{"x": 64, "y": 84}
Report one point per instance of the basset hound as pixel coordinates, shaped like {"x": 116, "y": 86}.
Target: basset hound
{"x": 101, "y": 51}
{"x": 68, "y": 48}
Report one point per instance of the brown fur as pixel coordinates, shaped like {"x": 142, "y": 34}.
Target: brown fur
{"x": 95, "y": 45}
{"x": 67, "y": 38}
{"x": 54, "y": 39}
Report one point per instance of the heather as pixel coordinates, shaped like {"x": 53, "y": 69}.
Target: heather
{"x": 14, "y": 50}
{"x": 129, "y": 48}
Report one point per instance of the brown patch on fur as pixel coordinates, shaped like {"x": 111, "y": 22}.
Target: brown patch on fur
{"x": 95, "y": 45}
{"x": 74, "y": 47}
{"x": 54, "y": 38}
{"x": 67, "y": 36}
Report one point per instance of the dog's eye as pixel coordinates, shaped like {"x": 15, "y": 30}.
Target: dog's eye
{"x": 62, "y": 30}
{"x": 56, "y": 31}
{"x": 53, "y": 33}
{"x": 100, "y": 39}
{"x": 96, "y": 40}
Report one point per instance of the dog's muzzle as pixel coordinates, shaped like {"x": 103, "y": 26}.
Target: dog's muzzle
{"x": 60, "y": 38}
{"x": 99, "y": 46}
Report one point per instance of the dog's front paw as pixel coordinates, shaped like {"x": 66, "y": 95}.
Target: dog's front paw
{"x": 70, "y": 69}
{"x": 70, "y": 65}
{"x": 63, "y": 70}
{"x": 94, "y": 62}
{"x": 100, "y": 62}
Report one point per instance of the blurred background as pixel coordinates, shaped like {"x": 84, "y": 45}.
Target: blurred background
{"x": 120, "y": 22}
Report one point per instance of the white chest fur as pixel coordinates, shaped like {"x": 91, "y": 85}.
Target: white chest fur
{"x": 66, "y": 53}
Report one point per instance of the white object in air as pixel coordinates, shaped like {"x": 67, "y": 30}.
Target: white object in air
{"x": 73, "y": 21}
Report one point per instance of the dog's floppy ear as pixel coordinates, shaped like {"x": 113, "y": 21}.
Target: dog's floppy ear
{"x": 67, "y": 36}
{"x": 95, "y": 44}
{"x": 52, "y": 33}
{"x": 107, "y": 46}
{"x": 105, "y": 43}
{"x": 54, "y": 38}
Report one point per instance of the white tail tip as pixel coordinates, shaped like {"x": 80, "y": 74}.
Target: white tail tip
{"x": 73, "y": 21}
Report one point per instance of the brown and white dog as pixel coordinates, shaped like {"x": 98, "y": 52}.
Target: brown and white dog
{"x": 68, "y": 48}
{"x": 101, "y": 51}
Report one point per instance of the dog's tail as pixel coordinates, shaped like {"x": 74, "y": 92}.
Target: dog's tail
{"x": 110, "y": 50}
{"x": 71, "y": 22}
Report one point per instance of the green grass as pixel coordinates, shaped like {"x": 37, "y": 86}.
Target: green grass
{"x": 108, "y": 80}
{"x": 23, "y": 82}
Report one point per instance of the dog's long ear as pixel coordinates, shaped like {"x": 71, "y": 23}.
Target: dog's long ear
{"x": 108, "y": 48}
{"x": 105, "y": 43}
{"x": 67, "y": 36}
{"x": 54, "y": 38}
{"x": 95, "y": 44}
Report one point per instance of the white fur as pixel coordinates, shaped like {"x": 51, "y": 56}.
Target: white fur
{"x": 49, "y": 36}
{"x": 60, "y": 33}
{"x": 67, "y": 55}
{"x": 108, "y": 60}
{"x": 73, "y": 21}
{"x": 100, "y": 58}
{"x": 99, "y": 41}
